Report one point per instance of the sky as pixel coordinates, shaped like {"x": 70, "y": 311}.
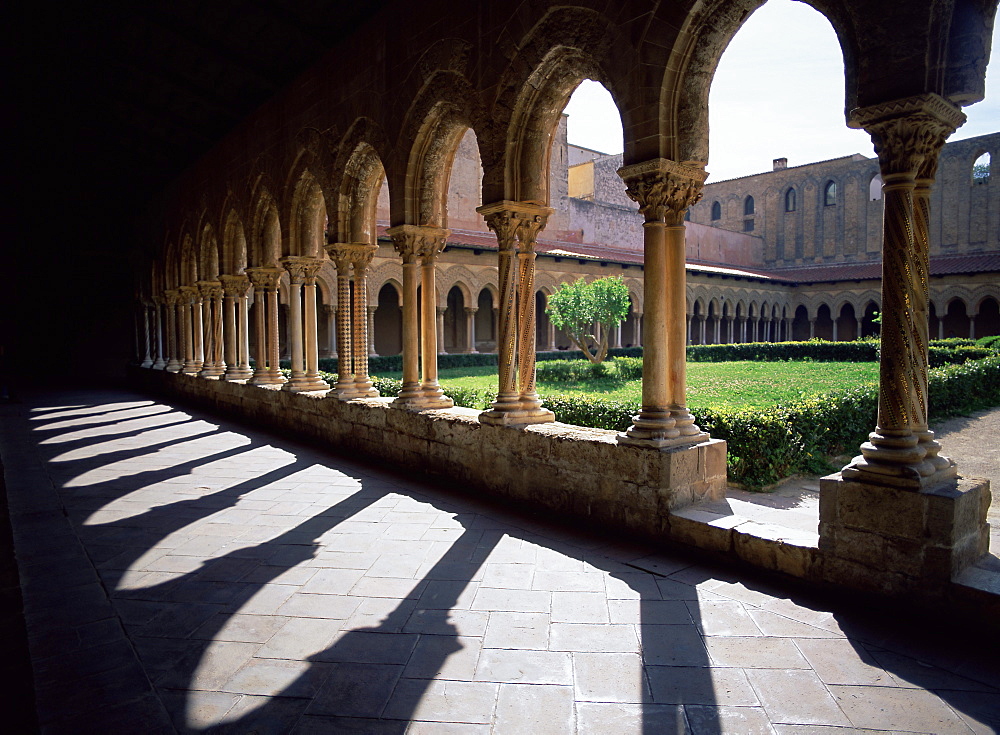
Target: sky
{"x": 778, "y": 92}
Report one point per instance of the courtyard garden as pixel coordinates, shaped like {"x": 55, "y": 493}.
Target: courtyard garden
{"x": 783, "y": 408}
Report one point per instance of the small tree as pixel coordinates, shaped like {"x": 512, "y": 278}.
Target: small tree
{"x": 577, "y": 307}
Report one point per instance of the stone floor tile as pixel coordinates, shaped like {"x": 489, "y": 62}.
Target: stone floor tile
{"x": 650, "y": 612}
{"x": 503, "y": 600}
{"x": 599, "y": 718}
{"x": 907, "y": 671}
{"x": 207, "y": 668}
{"x": 299, "y": 639}
{"x": 318, "y": 725}
{"x": 329, "y": 607}
{"x": 460, "y": 622}
{"x": 508, "y": 576}
{"x": 443, "y": 701}
{"x": 262, "y": 715}
{"x": 979, "y": 710}
{"x": 447, "y": 728}
{"x": 609, "y": 677}
{"x": 796, "y": 697}
{"x": 332, "y": 581}
{"x": 278, "y": 678}
{"x": 700, "y": 685}
{"x": 268, "y": 598}
{"x": 448, "y": 594}
{"x": 775, "y": 624}
{"x": 631, "y": 585}
{"x": 391, "y": 587}
{"x": 524, "y": 666}
{"x": 197, "y": 710}
{"x": 367, "y": 647}
{"x": 896, "y": 708}
{"x": 444, "y": 657}
{"x": 535, "y": 708}
{"x": 517, "y": 630}
{"x": 355, "y": 690}
{"x": 565, "y": 581}
{"x": 580, "y": 607}
{"x": 673, "y": 645}
{"x": 723, "y": 618}
{"x": 593, "y": 637}
{"x": 837, "y": 661}
{"x": 385, "y": 613}
{"x": 711, "y": 720}
{"x": 759, "y": 653}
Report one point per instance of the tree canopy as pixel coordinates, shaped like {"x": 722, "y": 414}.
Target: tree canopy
{"x": 577, "y": 307}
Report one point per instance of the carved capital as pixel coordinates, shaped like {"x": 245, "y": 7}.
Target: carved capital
{"x": 522, "y": 220}
{"x": 302, "y": 268}
{"x": 207, "y": 289}
{"x": 471, "y": 310}
{"x": 234, "y": 285}
{"x": 909, "y": 133}
{"x": 264, "y": 278}
{"x": 189, "y": 294}
{"x": 358, "y": 254}
{"x": 171, "y": 297}
{"x": 416, "y": 241}
{"x": 663, "y": 189}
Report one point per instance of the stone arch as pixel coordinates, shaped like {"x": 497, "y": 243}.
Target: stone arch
{"x": 187, "y": 262}
{"x": 361, "y": 170}
{"x": 446, "y": 107}
{"x": 208, "y": 254}
{"x": 234, "y": 245}
{"x": 265, "y": 235}
{"x": 565, "y": 47}
{"x": 694, "y": 57}
{"x": 389, "y": 270}
{"x": 307, "y": 217}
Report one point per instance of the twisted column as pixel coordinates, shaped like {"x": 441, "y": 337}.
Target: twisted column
{"x": 188, "y": 310}
{"x": 234, "y": 289}
{"x": 517, "y": 402}
{"x": 265, "y": 283}
{"x": 418, "y": 247}
{"x": 664, "y": 190}
{"x": 351, "y": 261}
{"x": 212, "y": 366}
{"x": 908, "y": 135}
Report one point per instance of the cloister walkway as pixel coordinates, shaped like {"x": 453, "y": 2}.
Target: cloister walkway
{"x": 183, "y": 574}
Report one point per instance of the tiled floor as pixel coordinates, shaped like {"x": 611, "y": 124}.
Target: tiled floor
{"x": 183, "y": 574}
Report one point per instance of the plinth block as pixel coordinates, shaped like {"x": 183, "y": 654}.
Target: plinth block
{"x": 905, "y": 539}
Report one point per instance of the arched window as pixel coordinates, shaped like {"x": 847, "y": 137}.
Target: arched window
{"x": 830, "y": 193}
{"x": 790, "y": 200}
{"x": 981, "y": 169}
{"x": 875, "y": 189}
{"x": 687, "y": 214}
{"x": 748, "y": 206}
{"x": 716, "y": 211}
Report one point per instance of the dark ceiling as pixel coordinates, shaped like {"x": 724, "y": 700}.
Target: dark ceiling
{"x": 120, "y": 98}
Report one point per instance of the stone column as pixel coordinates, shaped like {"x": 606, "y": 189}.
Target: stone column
{"x": 296, "y": 275}
{"x": 147, "y": 337}
{"x": 687, "y": 321}
{"x": 517, "y": 402}
{"x": 187, "y": 330}
{"x": 313, "y": 382}
{"x": 198, "y": 327}
{"x": 788, "y": 328}
{"x": 812, "y": 328}
{"x": 234, "y": 289}
{"x": 470, "y": 329}
{"x": 351, "y": 261}
{"x": 897, "y": 516}
{"x": 330, "y": 312}
{"x": 638, "y": 329}
{"x": 418, "y": 246}
{"x": 908, "y": 136}
{"x": 372, "y": 308}
{"x": 860, "y": 327}
{"x": 835, "y": 335}
{"x": 171, "y": 299}
{"x": 243, "y": 330}
{"x": 702, "y": 333}
{"x": 550, "y": 337}
{"x": 439, "y": 328}
{"x": 265, "y": 283}
{"x": 160, "y": 363}
{"x": 212, "y": 366}
{"x": 617, "y": 340}
{"x": 663, "y": 190}
{"x": 972, "y": 326}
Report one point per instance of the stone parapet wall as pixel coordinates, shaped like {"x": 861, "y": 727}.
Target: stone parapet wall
{"x": 580, "y": 472}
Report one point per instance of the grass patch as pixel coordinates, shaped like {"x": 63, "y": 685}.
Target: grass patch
{"x": 710, "y": 385}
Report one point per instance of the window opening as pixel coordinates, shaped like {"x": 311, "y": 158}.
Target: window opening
{"x": 790, "y": 200}
{"x": 716, "y": 211}
{"x": 830, "y": 193}
{"x": 981, "y": 169}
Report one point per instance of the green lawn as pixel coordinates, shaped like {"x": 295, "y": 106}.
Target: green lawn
{"x": 710, "y": 385}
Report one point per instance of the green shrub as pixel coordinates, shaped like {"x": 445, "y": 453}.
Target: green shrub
{"x": 628, "y": 368}
{"x": 992, "y": 342}
{"x": 818, "y": 350}
{"x": 957, "y": 355}
{"x": 953, "y": 342}
{"x": 572, "y": 371}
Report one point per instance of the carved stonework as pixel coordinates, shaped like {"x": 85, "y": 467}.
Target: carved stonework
{"x": 302, "y": 268}
{"x": 207, "y": 289}
{"x": 908, "y": 134}
{"x": 663, "y": 189}
{"x": 415, "y": 241}
{"x": 234, "y": 285}
{"x": 264, "y": 278}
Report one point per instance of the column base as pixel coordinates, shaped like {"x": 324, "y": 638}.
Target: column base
{"x": 651, "y": 440}
{"x": 212, "y": 373}
{"x": 516, "y": 417}
{"x": 895, "y": 539}
{"x": 173, "y": 367}
{"x": 266, "y": 378}
{"x": 160, "y": 365}
{"x": 306, "y": 385}
{"x": 918, "y": 476}
{"x": 146, "y": 364}
{"x": 421, "y": 402}
{"x": 238, "y": 375}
